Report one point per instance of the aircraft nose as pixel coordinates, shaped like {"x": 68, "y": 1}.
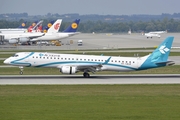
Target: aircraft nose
{"x": 6, "y": 61}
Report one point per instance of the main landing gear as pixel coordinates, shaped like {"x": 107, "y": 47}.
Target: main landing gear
{"x": 86, "y": 75}
{"x": 21, "y": 70}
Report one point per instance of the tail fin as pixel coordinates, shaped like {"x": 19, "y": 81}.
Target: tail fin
{"x": 35, "y": 27}
{"x": 23, "y": 25}
{"x": 73, "y": 27}
{"x": 159, "y": 56}
{"x": 30, "y": 28}
{"x": 48, "y": 26}
{"x": 38, "y": 27}
{"x": 55, "y": 27}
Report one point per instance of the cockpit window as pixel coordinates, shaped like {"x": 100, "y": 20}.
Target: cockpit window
{"x": 15, "y": 55}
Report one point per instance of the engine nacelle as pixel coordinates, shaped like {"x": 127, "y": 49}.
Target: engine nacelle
{"x": 13, "y": 41}
{"x": 23, "y": 39}
{"x": 68, "y": 70}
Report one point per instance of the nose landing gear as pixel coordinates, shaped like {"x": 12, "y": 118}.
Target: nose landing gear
{"x": 21, "y": 70}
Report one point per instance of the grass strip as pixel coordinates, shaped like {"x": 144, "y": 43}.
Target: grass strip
{"x": 97, "y": 102}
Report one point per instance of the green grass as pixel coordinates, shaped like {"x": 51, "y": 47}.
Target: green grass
{"x": 54, "y": 71}
{"x": 90, "y": 102}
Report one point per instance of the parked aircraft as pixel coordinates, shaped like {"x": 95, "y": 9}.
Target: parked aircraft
{"x": 21, "y": 29}
{"x": 70, "y": 31}
{"x": 73, "y": 63}
{"x": 158, "y": 32}
{"x": 154, "y": 34}
{"x": 151, "y": 35}
{"x": 13, "y": 38}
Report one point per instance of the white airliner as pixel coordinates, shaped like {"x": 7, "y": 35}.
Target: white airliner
{"x": 73, "y": 63}
{"x": 151, "y": 35}
{"x": 13, "y": 38}
{"x": 158, "y": 32}
{"x": 154, "y": 34}
{"x": 70, "y": 31}
{"x": 21, "y": 29}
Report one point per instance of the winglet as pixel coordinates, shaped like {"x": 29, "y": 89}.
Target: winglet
{"x": 106, "y": 62}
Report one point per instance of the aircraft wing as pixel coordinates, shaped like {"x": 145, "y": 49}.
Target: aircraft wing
{"x": 35, "y": 36}
{"x": 89, "y": 67}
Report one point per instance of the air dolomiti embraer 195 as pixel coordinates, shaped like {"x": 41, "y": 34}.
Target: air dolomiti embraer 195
{"x": 73, "y": 63}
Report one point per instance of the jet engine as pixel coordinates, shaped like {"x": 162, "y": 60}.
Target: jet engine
{"x": 68, "y": 70}
{"x": 13, "y": 41}
{"x": 23, "y": 39}
{"x": 18, "y": 40}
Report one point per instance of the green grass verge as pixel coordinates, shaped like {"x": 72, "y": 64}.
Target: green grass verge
{"x": 90, "y": 102}
{"x": 54, "y": 71}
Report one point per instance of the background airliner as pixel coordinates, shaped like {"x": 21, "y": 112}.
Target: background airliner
{"x": 72, "y": 63}
{"x": 21, "y": 28}
{"x": 69, "y": 31}
{"x": 13, "y": 38}
{"x": 154, "y": 34}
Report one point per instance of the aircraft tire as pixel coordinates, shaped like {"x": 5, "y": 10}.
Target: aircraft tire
{"x": 86, "y": 75}
{"x": 21, "y": 72}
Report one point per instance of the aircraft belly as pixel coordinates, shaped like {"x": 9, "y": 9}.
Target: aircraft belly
{"x": 116, "y": 68}
{"x": 48, "y": 38}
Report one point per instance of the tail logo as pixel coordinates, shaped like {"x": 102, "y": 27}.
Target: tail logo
{"x": 74, "y": 25}
{"x": 45, "y": 31}
{"x": 163, "y": 49}
{"x": 57, "y": 26}
{"x": 49, "y": 25}
{"x": 41, "y": 55}
{"x": 33, "y": 24}
{"x": 23, "y": 24}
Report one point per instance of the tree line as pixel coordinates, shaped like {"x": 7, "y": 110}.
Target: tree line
{"x": 171, "y": 25}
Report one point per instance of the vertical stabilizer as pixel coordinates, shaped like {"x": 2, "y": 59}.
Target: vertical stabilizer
{"x": 159, "y": 56}
{"x": 23, "y": 25}
{"x": 55, "y": 27}
{"x": 73, "y": 27}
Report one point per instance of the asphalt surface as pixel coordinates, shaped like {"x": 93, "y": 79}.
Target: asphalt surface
{"x": 102, "y": 41}
{"x": 94, "y": 79}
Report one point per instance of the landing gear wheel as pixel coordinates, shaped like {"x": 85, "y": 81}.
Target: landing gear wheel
{"x": 21, "y": 72}
{"x": 86, "y": 75}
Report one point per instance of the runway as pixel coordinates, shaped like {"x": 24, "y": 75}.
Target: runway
{"x": 94, "y": 79}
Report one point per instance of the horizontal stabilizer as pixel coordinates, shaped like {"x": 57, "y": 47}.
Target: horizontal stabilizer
{"x": 168, "y": 63}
